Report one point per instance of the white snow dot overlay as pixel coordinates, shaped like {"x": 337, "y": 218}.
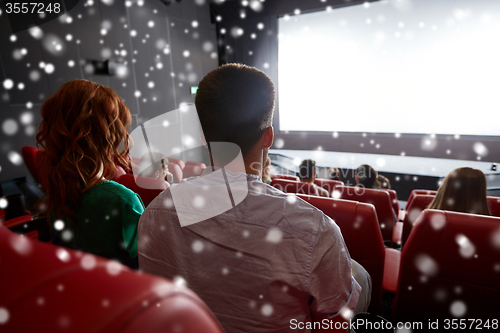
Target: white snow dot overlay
{"x": 4, "y": 315}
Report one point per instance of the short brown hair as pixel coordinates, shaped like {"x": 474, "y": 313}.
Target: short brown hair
{"x": 235, "y": 103}
{"x": 307, "y": 169}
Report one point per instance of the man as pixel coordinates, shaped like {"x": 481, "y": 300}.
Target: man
{"x": 269, "y": 261}
{"x": 366, "y": 176}
{"x": 307, "y": 173}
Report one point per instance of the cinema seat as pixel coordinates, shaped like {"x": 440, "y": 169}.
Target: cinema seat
{"x": 30, "y": 157}
{"x": 360, "y": 229}
{"x": 45, "y": 288}
{"x": 147, "y": 188}
{"x": 450, "y": 268}
{"x": 379, "y": 198}
{"x": 193, "y": 169}
{"x": 176, "y": 171}
{"x": 180, "y": 163}
{"x": 288, "y": 177}
{"x": 417, "y": 205}
{"x": 290, "y": 186}
{"x": 494, "y": 205}
{"x": 32, "y": 228}
{"x": 421, "y": 192}
{"x": 394, "y": 200}
{"x": 135, "y": 162}
{"x": 328, "y": 184}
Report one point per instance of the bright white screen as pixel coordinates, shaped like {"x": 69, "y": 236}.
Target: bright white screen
{"x": 399, "y": 66}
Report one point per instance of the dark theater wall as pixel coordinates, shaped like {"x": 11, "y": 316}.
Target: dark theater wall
{"x": 166, "y": 50}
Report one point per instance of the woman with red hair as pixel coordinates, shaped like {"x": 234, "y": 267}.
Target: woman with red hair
{"x": 84, "y": 133}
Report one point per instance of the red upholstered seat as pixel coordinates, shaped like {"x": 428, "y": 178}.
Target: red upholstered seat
{"x": 421, "y": 192}
{"x": 180, "y": 163}
{"x": 30, "y": 157}
{"x": 176, "y": 171}
{"x": 394, "y": 200}
{"x": 418, "y": 203}
{"x": 290, "y": 186}
{"x": 450, "y": 268}
{"x": 328, "y": 184}
{"x": 288, "y": 177}
{"x": 45, "y": 288}
{"x": 360, "y": 229}
{"x": 379, "y": 198}
{"x": 147, "y": 188}
{"x": 193, "y": 169}
{"x": 391, "y": 269}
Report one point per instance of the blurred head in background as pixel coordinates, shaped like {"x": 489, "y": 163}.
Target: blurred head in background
{"x": 366, "y": 176}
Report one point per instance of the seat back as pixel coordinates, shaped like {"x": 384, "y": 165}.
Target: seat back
{"x": 328, "y": 184}
{"x": 176, "y": 171}
{"x": 419, "y": 203}
{"x": 193, "y": 169}
{"x": 494, "y": 205}
{"x": 394, "y": 200}
{"x": 360, "y": 229}
{"x": 30, "y": 157}
{"x": 135, "y": 163}
{"x": 412, "y": 194}
{"x": 147, "y": 188}
{"x": 290, "y": 186}
{"x": 379, "y": 198}
{"x": 450, "y": 268}
{"x": 288, "y": 177}
{"x": 48, "y": 288}
{"x": 180, "y": 163}
{"x": 119, "y": 172}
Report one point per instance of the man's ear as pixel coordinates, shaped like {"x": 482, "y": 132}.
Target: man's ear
{"x": 268, "y": 137}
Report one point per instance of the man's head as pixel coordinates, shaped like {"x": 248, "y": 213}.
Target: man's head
{"x": 366, "y": 175}
{"x": 235, "y": 103}
{"x": 307, "y": 170}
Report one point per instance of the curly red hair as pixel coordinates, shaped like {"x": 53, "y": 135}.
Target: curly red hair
{"x": 83, "y": 126}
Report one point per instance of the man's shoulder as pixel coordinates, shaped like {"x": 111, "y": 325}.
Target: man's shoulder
{"x": 263, "y": 205}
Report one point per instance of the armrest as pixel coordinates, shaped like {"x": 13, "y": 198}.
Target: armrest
{"x": 391, "y": 270}
{"x": 17, "y": 221}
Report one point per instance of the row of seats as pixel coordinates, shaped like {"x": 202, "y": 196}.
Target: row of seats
{"x": 178, "y": 168}
{"x": 47, "y": 288}
{"x": 448, "y": 268}
{"x": 420, "y": 200}
{"x": 385, "y": 201}
{"x": 147, "y": 188}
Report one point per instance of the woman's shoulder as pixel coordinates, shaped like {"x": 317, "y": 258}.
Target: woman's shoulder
{"x": 111, "y": 190}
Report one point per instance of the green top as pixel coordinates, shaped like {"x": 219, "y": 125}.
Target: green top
{"x": 107, "y": 222}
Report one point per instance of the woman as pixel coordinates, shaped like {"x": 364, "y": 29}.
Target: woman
{"x": 83, "y": 132}
{"x": 463, "y": 190}
{"x": 266, "y": 171}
